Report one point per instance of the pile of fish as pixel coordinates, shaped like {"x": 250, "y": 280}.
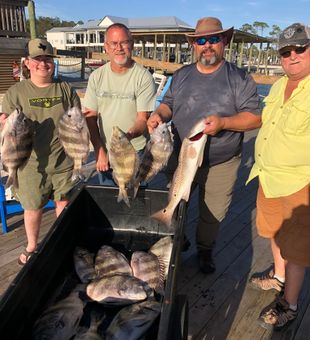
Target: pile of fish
{"x": 190, "y": 159}
{"x": 124, "y": 297}
{"x": 128, "y": 170}
{"x": 16, "y": 144}
{"x": 73, "y": 134}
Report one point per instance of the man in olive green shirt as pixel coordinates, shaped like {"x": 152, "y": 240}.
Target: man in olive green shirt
{"x": 282, "y": 163}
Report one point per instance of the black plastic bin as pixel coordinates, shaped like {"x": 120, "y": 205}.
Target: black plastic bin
{"x": 93, "y": 218}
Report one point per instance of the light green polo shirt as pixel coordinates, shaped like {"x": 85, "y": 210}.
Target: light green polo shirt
{"x": 118, "y": 97}
{"x": 282, "y": 156}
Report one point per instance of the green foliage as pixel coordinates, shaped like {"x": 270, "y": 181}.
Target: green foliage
{"x": 44, "y": 24}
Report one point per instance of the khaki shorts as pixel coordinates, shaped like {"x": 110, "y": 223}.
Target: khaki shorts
{"x": 36, "y": 188}
{"x": 287, "y": 219}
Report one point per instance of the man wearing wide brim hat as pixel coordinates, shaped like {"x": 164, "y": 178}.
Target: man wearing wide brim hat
{"x": 226, "y": 97}
{"x": 210, "y": 26}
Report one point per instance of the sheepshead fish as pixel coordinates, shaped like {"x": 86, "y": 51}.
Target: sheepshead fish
{"x": 84, "y": 264}
{"x": 109, "y": 261}
{"x": 61, "y": 320}
{"x": 163, "y": 249}
{"x": 118, "y": 290}
{"x": 148, "y": 268}
{"x": 16, "y": 144}
{"x": 132, "y": 322}
{"x": 190, "y": 159}
{"x": 74, "y": 136}
{"x": 155, "y": 156}
{"x": 91, "y": 333}
{"x": 124, "y": 162}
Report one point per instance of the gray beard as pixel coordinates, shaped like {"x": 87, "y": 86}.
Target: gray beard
{"x": 207, "y": 62}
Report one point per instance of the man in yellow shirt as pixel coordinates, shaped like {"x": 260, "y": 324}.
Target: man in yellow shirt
{"x": 282, "y": 163}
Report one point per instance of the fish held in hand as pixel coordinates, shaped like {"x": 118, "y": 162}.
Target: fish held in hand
{"x": 155, "y": 156}
{"x": 16, "y": 144}
{"x": 74, "y": 136}
{"x": 190, "y": 159}
{"x": 124, "y": 162}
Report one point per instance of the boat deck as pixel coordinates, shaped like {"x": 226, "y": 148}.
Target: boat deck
{"x": 221, "y": 305}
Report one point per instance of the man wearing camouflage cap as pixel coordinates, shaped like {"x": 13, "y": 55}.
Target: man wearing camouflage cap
{"x": 282, "y": 163}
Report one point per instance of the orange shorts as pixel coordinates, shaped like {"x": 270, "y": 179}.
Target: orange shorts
{"x": 287, "y": 219}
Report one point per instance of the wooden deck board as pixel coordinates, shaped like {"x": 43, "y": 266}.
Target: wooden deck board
{"x": 221, "y": 305}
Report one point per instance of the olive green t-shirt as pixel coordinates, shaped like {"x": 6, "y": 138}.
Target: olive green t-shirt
{"x": 44, "y": 106}
{"x": 118, "y": 98}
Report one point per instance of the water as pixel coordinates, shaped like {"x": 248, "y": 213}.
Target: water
{"x": 263, "y": 89}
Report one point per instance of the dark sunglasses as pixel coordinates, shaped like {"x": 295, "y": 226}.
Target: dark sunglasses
{"x": 215, "y": 39}
{"x": 297, "y": 50}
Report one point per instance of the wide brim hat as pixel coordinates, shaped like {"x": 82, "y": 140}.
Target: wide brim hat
{"x": 209, "y": 26}
{"x": 39, "y": 47}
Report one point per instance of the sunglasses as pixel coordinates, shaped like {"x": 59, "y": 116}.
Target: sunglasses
{"x": 297, "y": 50}
{"x": 215, "y": 39}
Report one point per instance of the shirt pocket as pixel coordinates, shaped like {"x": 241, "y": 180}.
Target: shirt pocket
{"x": 297, "y": 119}
{"x": 269, "y": 105}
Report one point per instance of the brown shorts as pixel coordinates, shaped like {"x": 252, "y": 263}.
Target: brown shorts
{"x": 287, "y": 219}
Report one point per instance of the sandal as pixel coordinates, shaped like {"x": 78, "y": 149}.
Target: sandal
{"x": 27, "y": 255}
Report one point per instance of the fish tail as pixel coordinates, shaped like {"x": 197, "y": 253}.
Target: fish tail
{"x": 164, "y": 216}
{"x": 77, "y": 175}
{"x": 122, "y": 196}
{"x": 12, "y": 179}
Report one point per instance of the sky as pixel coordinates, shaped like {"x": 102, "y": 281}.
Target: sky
{"x": 230, "y": 12}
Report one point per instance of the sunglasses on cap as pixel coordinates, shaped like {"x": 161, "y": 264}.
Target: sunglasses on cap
{"x": 297, "y": 50}
{"x": 214, "y": 39}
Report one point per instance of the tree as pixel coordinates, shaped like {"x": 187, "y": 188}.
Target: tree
{"x": 44, "y": 24}
{"x": 276, "y": 30}
{"x": 248, "y": 28}
{"x": 260, "y": 25}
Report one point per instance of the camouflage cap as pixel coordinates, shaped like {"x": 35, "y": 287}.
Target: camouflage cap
{"x": 294, "y": 35}
{"x": 38, "y": 47}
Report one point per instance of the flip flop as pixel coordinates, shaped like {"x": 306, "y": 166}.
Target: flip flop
{"x": 27, "y": 254}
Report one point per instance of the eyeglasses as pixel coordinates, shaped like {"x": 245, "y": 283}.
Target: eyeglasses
{"x": 297, "y": 50}
{"x": 215, "y": 39}
{"x": 122, "y": 44}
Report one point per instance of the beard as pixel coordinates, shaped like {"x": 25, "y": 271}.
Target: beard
{"x": 121, "y": 61}
{"x": 213, "y": 60}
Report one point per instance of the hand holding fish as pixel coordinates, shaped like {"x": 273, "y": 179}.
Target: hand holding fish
{"x": 102, "y": 160}
{"x": 3, "y": 117}
{"x": 153, "y": 122}
{"x": 214, "y": 124}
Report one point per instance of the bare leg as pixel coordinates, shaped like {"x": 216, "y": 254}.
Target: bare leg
{"x": 32, "y": 220}
{"x": 294, "y": 278}
{"x": 279, "y": 262}
{"x": 60, "y": 205}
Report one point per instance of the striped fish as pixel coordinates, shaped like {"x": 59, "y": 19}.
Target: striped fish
{"x": 132, "y": 322}
{"x": 109, "y": 261}
{"x": 163, "y": 249}
{"x": 118, "y": 290}
{"x": 155, "y": 156}
{"x": 148, "y": 268}
{"x": 16, "y": 144}
{"x": 74, "y": 136}
{"x": 124, "y": 162}
{"x": 84, "y": 264}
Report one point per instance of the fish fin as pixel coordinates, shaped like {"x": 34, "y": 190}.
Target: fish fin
{"x": 122, "y": 196}
{"x": 135, "y": 190}
{"x": 164, "y": 216}
{"x": 77, "y": 175}
{"x": 12, "y": 180}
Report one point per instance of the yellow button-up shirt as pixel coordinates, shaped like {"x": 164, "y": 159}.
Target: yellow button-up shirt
{"x": 282, "y": 148}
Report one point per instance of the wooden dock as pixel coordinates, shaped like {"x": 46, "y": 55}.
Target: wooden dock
{"x": 221, "y": 305}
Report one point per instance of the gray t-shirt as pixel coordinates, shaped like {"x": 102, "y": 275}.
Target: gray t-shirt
{"x": 193, "y": 95}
